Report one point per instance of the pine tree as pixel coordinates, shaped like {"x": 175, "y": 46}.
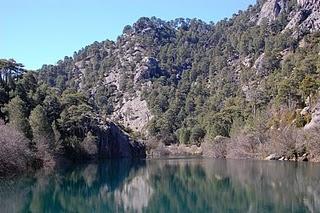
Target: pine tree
{"x": 17, "y": 114}
{"x": 41, "y": 128}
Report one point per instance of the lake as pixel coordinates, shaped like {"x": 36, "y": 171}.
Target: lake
{"x": 168, "y": 185}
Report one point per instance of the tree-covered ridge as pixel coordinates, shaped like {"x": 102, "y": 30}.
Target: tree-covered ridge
{"x": 182, "y": 81}
{"x": 42, "y": 125}
{"x": 39, "y": 111}
{"x": 199, "y": 80}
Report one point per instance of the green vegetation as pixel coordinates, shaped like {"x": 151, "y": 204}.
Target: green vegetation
{"x": 45, "y": 119}
{"x": 206, "y": 78}
{"x": 200, "y": 81}
{"x": 208, "y": 89}
{"x": 34, "y": 109}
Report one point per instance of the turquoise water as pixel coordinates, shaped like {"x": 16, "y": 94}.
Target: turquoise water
{"x": 168, "y": 185}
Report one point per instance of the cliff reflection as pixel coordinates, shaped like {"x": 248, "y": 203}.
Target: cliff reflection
{"x": 185, "y": 185}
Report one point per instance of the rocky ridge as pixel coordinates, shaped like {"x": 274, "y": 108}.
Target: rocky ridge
{"x": 307, "y": 18}
{"x": 128, "y": 66}
{"x": 132, "y": 69}
{"x": 304, "y": 19}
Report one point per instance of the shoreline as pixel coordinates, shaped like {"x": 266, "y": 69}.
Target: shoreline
{"x": 167, "y": 156}
{"x": 205, "y": 151}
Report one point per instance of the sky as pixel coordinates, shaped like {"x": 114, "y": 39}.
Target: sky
{"x": 37, "y": 32}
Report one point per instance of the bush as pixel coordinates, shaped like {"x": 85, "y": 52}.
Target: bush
{"x": 244, "y": 147}
{"x": 216, "y": 148}
{"x": 197, "y": 134}
{"x": 184, "y": 135}
{"x": 15, "y": 155}
{"x": 312, "y": 143}
{"x": 288, "y": 142}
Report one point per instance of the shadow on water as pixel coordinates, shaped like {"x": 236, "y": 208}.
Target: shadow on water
{"x": 175, "y": 185}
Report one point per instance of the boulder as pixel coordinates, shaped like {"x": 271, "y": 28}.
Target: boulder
{"x": 273, "y": 157}
{"x": 305, "y": 111}
{"x": 304, "y": 157}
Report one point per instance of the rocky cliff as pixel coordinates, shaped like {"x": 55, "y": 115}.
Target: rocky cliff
{"x": 303, "y": 19}
{"x": 113, "y": 142}
{"x": 306, "y": 18}
{"x": 271, "y": 10}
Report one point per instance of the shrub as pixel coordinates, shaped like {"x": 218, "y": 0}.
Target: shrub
{"x": 244, "y": 147}
{"x": 288, "y": 142}
{"x": 197, "y": 134}
{"x": 15, "y": 155}
{"x": 312, "y": 143}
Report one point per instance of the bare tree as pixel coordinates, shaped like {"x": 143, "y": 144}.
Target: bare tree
{"x": 15, "y": 155}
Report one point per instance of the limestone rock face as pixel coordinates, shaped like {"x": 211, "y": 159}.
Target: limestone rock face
{"x": 116, "y": 143}
{"x": 306, "y": 18}
{"x": 307, "y": 3}
{"x": 149, "y": 69}
{"x": 315, "y": 122}
{"x": 130, "y": 68}
{"x": 134, "y": 113}
{"x": 113, "y": 142}
{"x": 271, "y": 10}
{"x": 259, "y": 65}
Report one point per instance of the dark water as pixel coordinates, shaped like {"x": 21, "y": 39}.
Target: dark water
{"x": 176, "y": 185}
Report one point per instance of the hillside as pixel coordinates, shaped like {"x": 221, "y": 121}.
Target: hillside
{"x": 160, "y": 76}
{"x": 245, "y": 87}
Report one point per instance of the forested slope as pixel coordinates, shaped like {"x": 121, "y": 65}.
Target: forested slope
{"x": 244, "y": 85}
{"x": 185, "y": 80}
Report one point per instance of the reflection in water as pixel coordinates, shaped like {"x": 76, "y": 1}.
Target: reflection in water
{"x": 176, "y": 185}
{"x": 135, "y": 194}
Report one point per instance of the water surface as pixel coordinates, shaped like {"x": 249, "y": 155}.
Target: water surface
{"x": 168, "y": 185}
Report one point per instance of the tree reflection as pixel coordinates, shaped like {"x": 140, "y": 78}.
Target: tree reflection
{"x": 186, "y": 185}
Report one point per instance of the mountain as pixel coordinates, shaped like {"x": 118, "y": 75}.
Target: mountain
{"x": 160, "y": 75}
{"x": 244, "y": 87}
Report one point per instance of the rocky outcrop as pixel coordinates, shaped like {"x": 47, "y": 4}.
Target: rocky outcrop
{"x": 148, "y": 70}
{"x": 259, "y": 65}
{"x": 112, "y": 142}
{"x": 308, "y": 3}
{"x": 133, "y": 113}
{"x": 271, "y": 9}
{"x": 315, "y": 122}
{"x": 300, "y": 157}
{"x": 118, "y": 144}
{"x": 273, "y": 157}
{"x": 131, "y": 68}
{"x": 306, "y": 18}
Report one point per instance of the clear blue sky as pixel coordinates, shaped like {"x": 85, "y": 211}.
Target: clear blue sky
{"x": 36, "y": 32}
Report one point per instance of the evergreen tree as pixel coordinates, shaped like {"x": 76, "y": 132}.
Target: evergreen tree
{"x": 41, "y": 128}
{"x": 17, "y": 112}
